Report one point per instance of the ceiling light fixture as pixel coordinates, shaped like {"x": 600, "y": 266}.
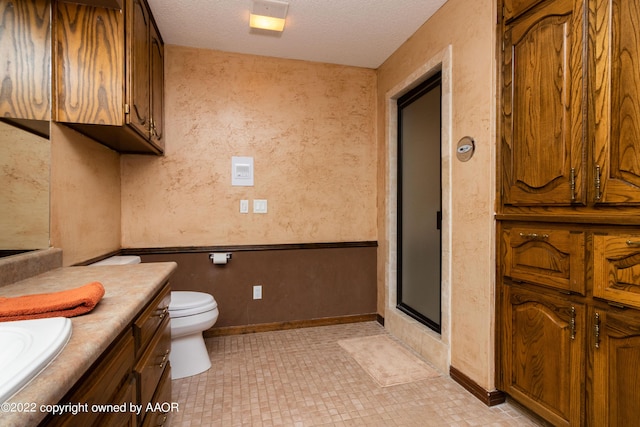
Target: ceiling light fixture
{"x": 268, "y": 15}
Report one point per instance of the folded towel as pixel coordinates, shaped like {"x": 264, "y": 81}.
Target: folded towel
{"x": 69, "y": 303}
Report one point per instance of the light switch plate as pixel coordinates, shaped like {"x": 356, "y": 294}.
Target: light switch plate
{"x": 260, "y": 206}
{"x": 244, "y": 206}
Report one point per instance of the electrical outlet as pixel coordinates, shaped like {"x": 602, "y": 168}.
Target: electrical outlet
{"x": 257, "y": 292}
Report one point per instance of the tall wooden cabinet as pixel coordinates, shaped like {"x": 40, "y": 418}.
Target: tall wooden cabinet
{"x": 568, "y": 221}
{"x": 108, "y": 74}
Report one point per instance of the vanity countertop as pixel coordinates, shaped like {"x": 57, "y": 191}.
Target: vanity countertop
{"x": 128, "y": 288}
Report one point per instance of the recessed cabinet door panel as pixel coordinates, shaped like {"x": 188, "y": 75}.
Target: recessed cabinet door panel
{"x": 616, "y": 89}
{"x": 138, "y": 58}
{"x": 544, "y": 355}
{"x": 542, "y": 126}
{"x": 617, "y": 269}
{"x": 616, "y": 369}
{"x": 547, "y": 257}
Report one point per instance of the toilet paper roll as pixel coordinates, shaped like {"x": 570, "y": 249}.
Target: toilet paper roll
{"x": 219, "y": 258}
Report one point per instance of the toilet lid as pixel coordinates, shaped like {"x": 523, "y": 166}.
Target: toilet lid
{"x": 187, "y": 303}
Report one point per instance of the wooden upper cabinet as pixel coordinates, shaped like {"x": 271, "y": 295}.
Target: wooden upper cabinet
{"x": 615, "y": 85}
{"x": 25, "y": 59}
{"x": 542, "y": 123}
{"x": 104, "y": 81}
{"x": 138, "y": 89}
{"x": 89, "y": 65}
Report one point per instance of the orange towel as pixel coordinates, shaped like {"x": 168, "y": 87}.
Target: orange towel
{"x": 69, "y": 303}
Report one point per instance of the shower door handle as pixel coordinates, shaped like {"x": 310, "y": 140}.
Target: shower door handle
{"x": 439, "y": 220}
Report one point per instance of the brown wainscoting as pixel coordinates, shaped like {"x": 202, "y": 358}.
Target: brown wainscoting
{"x": 300, "y": 282}
{"x": 489, "y": 398}
{"x": 280, "y": 326}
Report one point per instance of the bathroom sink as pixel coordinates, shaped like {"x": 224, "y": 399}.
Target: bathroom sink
{"x": 26, "y": 348}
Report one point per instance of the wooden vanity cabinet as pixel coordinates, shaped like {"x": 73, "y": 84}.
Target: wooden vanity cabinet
{"x": 134, "y": 370}
{"x": 108, "y": 80}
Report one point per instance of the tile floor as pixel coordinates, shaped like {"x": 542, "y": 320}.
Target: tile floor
{"x": 302, "y": 377}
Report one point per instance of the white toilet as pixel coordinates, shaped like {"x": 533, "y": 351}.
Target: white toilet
{"x": 191, "y": 314}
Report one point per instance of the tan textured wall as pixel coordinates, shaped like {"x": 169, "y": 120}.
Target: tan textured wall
{"x": 24, "y": 192}
{"x": 310, "y": 128}
{"x": 468, "y": 27}
{"x": 85, "y": 196}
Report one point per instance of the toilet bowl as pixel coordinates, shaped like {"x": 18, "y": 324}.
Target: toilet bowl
{"x": 191, "y": 313}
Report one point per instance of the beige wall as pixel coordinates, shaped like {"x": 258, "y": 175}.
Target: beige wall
{"x": 465, "y": 31}
{"x": 310, "y": 128}
{"x": 85, "y": 196}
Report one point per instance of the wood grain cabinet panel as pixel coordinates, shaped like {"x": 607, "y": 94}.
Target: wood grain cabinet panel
{"x": 615, "y": 346}
{"x": 617, "y": 268}
{"x": 106, "y": 75}
{"x": 615, "y": 35}
{"x": 542, "y": 125}
{"x": 546, "y": 256}
{"x": 25, "y": 59}
{"x": 543, "y": 356}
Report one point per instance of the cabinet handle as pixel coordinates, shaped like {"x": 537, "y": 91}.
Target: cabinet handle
{"x": 534, "y": 236}
{"x": 596, "y": 330}
{"x": 573, "y": 323}
{"x": 164, "y": 359}
{"x": 633, "y": 243}
{"x": 597, "y": 183}
{"x": 572, "y": 184}
{"x": 164, "y": 312}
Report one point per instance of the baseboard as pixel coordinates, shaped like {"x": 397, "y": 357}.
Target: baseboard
{"x": 280, "y": 326}
{"x": 489, "y": 398}
{"x": 380, "y": 319}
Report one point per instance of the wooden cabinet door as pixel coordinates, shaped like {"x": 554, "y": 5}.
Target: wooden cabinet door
{"x": 543, "y": 354}
{"x": 546, "y": 256}
{"x": 542, "y": 127}
{"x": 157, "y": 88}
{"x": 139, "y": 117}
{"x": 25, "y": 52}
{"x": 615, "y": 88}
{"x": 616, "y": 269}
{"x": 88, "y": 64}
{"x": 616, "y": 369}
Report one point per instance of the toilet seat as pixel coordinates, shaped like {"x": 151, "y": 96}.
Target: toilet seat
{"x": 188, "y": 303}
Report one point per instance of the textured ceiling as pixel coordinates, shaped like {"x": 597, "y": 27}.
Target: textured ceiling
{"x": 361, "y": 33}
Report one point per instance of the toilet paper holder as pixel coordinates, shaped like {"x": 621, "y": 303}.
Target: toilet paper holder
{"x": 215, "y": 256}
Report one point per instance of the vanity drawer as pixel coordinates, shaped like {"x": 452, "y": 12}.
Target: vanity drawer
{"x": 153, "y": 362}
{"x": 545, "y": 256}
{"x": 616, "y": 268}
{"x": 159, "y": 418}
{"x": 102, "y": 384}
{"x": 151, "y": 318}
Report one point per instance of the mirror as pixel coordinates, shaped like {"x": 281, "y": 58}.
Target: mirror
{"x": 25, "y": 110}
